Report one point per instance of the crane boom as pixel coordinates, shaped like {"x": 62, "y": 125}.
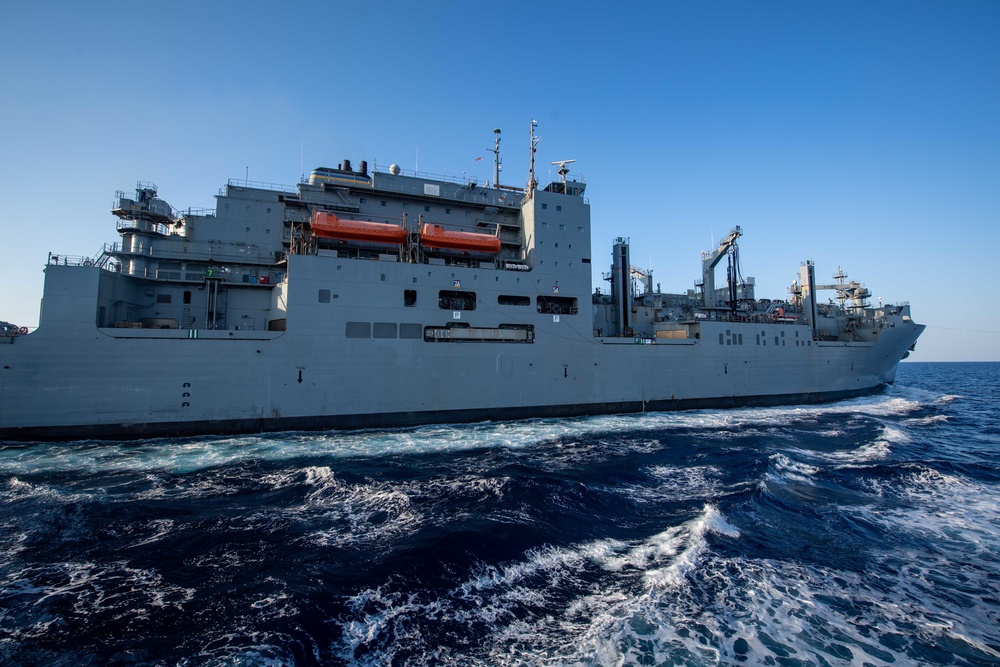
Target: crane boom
{"x": 710, "y": 259}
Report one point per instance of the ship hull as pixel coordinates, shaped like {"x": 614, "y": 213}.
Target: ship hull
{"x": 80, "y": 382}
{"x": 141, "y": 430}
{"x": 245, "y": 321}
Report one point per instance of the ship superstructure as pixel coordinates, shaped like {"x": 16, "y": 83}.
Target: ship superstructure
{"x": 366, "y": 298}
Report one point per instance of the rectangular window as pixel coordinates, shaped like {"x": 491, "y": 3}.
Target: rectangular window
{"x": 359, "y": 330}
{"x": 513, "y": 300}
{"x": 410, "y": 330}
{"x": 385, "y": 330}
{"x": 187, "y": 297}
{"x": 455, "y": 300}
{"x": 324, "y": 296}
{"x": 558, "y": 305}
{"x": 163, "y": 298}
{"x": 409, "y": 297}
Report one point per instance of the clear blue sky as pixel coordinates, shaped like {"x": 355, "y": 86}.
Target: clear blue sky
{"x": 861, "y": 134}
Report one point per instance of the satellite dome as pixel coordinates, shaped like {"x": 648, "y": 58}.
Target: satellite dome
{"x": 394, "y": 169}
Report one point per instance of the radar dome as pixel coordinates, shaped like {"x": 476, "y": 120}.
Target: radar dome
{"x": 394, "y": 169}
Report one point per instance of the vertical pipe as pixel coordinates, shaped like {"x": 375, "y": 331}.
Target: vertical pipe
{"x": 616, "y": 281}
{"x": 626, "y": 292}
{"x": 620, "y": 286}
{"x": 811, "y": 270}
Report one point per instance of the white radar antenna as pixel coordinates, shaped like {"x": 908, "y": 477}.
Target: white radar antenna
{"x": 563, "y": 170}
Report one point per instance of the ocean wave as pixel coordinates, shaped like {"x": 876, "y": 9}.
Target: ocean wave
{"x": 675, "y": 483}
{"x": 662, "y": 600}
{"x": 51, "y": 600}
{"x": 633, "y": 539}
{"x": 538, "y": 608}
{"x": 784, "y": 469}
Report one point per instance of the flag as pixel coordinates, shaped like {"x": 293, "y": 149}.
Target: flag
{"x": 479, "y": 158}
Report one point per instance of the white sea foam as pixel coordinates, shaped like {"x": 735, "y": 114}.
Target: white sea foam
{"x": 674, "y": 484}
{"x": 927, "y": 421}
{"x": 198, "y": 454}
{"x": 889, "y": 437}
{"x": 685, "y": 553}
{"x": 785, "y": 469}
{"x": 509, "y": 607}
{"x": 114, "y": 588}
{"x": 356, "y": 513}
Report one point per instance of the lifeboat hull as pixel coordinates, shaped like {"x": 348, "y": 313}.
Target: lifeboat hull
{"x": 436, "y": 236}
{"x": 329, "y": 226}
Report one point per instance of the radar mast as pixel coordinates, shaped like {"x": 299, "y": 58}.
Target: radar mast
{"x": 532, "y": 181}
{"x": 496, "y": 158}
{"x": 563, "y": 170}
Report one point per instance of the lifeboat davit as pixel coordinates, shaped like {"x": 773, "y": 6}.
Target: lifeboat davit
{"x": 436, "y": 236}
{"x": 328, "y": 226}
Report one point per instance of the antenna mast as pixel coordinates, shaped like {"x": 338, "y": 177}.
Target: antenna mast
{"x": 532, "y": 183}
{"x": 496, "y": 159}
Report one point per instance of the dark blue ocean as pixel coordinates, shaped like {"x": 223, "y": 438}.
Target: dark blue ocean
{"x": 865, "y": 532}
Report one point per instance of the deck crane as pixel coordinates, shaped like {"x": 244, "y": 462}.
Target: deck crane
{"x": 710, "y": 259}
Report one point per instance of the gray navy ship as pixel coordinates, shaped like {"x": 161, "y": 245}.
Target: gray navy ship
{"x": 377, "y": 298}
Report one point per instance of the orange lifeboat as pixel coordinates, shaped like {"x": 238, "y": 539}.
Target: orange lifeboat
{"x": 436, "y": 236}
{"x": 328, "y": 226}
